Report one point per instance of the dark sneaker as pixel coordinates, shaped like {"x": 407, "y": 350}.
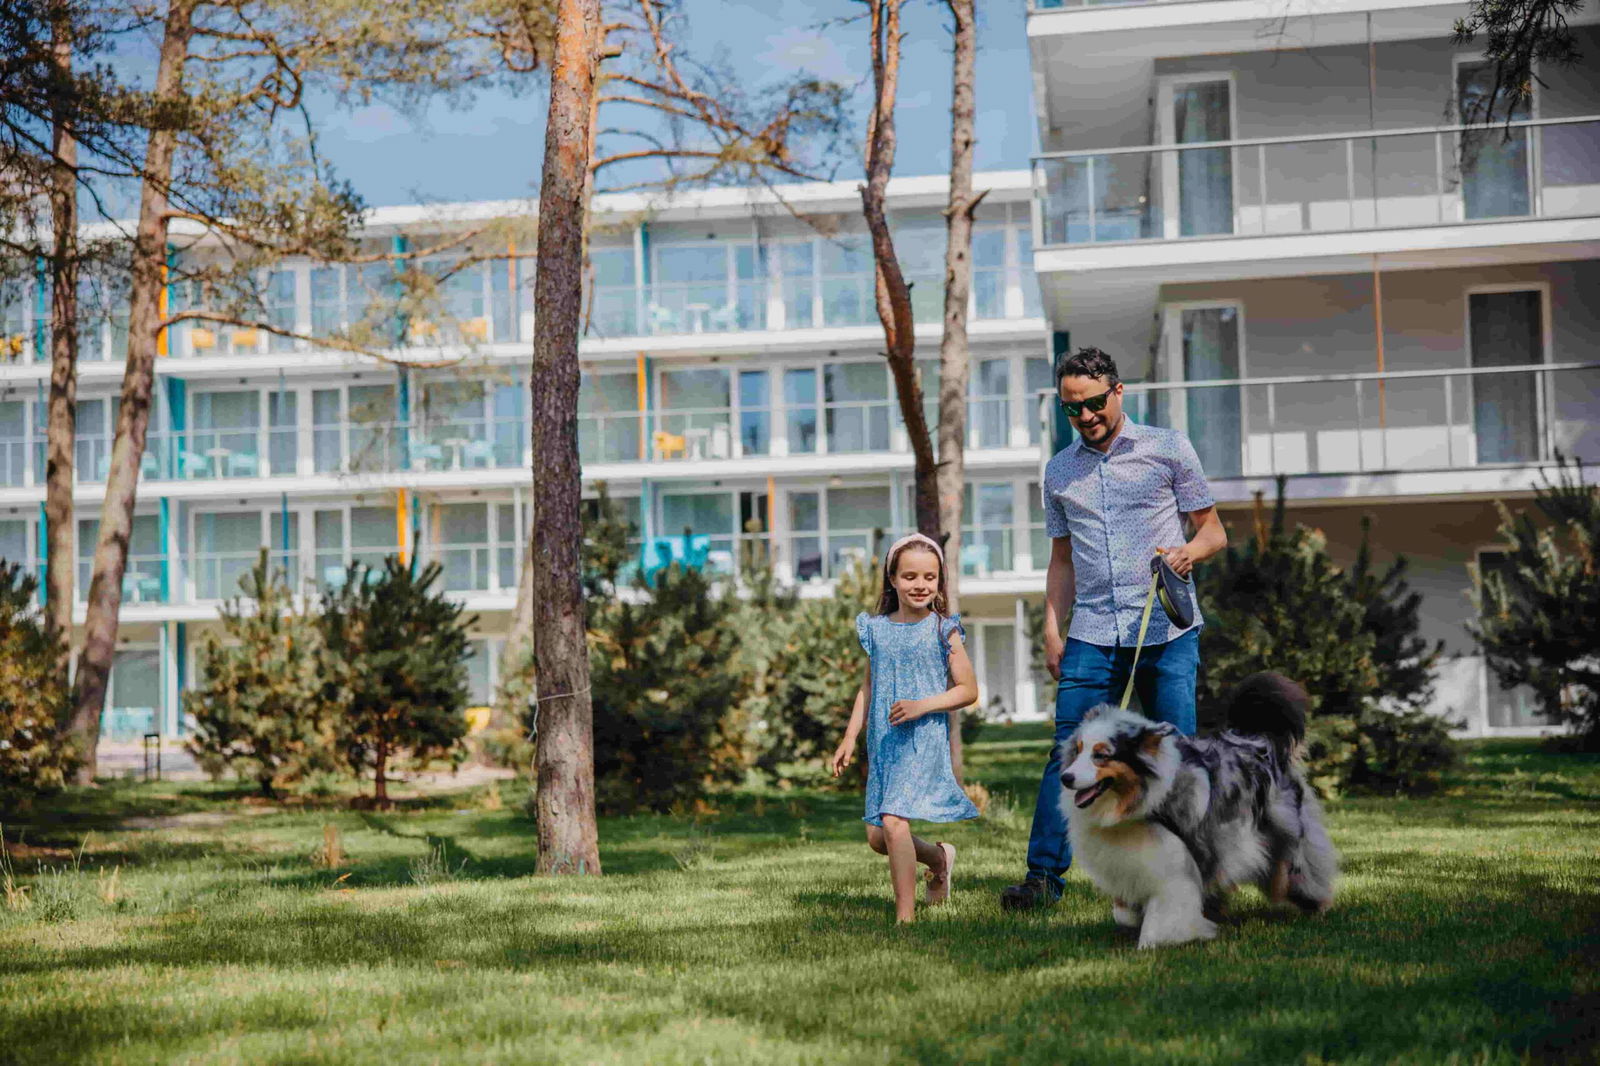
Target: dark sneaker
{"x": 1033, "y": 894}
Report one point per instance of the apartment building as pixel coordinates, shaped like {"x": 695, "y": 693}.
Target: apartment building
{"x": 1290, "y": 224}
{"x": 733, "y": 390}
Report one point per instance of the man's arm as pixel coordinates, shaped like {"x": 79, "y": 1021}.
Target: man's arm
{"x": 1060, "y": 588}
{"x": 1209, "y": 538}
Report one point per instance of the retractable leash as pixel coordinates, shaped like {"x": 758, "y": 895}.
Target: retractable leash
{"x": 1180, "y": 611}
{"x": 1144, "y": 626}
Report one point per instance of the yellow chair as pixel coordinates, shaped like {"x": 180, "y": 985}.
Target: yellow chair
{"x": 422, "y": 329}
{"x": 202, "y": 340}
{"x": 669, "y": 443}
{"x": 475, "y": 329}
{"x": 245, "y": 339}
{"x": 11, "y": 347}
{"x": 477, "y": 720}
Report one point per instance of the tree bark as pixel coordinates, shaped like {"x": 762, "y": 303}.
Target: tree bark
{"x": 564, "y": 805}
{"x": 61, "y": 428}
{"x": 893, "y": 294}
{"x": 133, "y": 420}
{"x": 380, "y": 786}
{"x": 953, "y": 361}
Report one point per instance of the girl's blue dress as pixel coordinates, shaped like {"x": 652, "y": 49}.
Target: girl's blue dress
{"x": 908, "y": 766}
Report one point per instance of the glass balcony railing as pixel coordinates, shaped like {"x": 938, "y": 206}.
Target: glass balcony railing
{"x": 144, "y": 579}
{"x": 1383, "y": 179}
{"x": 1372, "y": 423}
{"x": 217, "y": 575}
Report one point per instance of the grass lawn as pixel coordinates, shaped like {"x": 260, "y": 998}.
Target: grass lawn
{"x": 1466, "y": 932}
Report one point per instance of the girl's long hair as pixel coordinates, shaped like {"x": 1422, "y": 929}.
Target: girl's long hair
{"x": 889, "y": 599}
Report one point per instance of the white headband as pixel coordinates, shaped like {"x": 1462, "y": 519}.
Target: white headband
{"x": 911, "y": 538}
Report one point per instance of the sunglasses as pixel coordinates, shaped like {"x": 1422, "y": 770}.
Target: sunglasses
{"x": 1093, "y": 403}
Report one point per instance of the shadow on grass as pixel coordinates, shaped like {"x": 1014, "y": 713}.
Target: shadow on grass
{"x": 1391, "y": 974}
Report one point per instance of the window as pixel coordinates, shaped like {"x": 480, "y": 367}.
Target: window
{"x": 800, "y": 404}
{"x": 14, "y": 542}
{"x": 14, "y": 443}
{"x": 133, "y": 695}
{"x": 847, "y": 282}
{"x": 986, "y": 535}
{"x": 610, "y": 425}
{"x": 856, "y": 406}
{"x": 989, "y": 404}
{"x": 830, "y": 530}
{"x": 614, "y": 297}
{"x": 145, "y": 577}
{"x": 797, "y": 283}
{"x": 989, "y": 274}
{"x": 706, "y": 287}
{"x": 1038, "y": 543}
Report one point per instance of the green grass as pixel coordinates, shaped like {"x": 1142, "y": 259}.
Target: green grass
{"x": 1466, "y": 932}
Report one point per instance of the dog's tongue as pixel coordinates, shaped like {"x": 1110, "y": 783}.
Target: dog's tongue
{"x": 1085, "y": 796}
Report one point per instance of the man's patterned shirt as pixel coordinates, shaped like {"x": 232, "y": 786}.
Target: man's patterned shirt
{"x": 1118, "y": 508}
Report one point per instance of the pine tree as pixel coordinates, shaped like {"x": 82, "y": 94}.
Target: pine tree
{"x": 1402, "y": 657}
{"x": 1278, "y": 602}
{"x": 35, "y": 755}
{"x": 260, "y": 707}
{"x": 804, "y": 663}
{"x": 394, "y": 661}
{"x": 1537, "y": 616}
{"x": 668, "y": 693}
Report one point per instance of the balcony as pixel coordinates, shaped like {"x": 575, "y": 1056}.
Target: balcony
{"x": 1273, "y": 187}
{"x": 1497, "y": 422}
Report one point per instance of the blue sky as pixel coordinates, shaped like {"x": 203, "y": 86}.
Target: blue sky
{"x": 492, "y": 148}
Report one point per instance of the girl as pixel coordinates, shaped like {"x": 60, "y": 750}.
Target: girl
{"x": 917, "y": 670}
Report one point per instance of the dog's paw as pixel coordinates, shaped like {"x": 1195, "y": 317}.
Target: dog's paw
{"x": 1158, "y": 937}
{"x": 1125, "y": 915}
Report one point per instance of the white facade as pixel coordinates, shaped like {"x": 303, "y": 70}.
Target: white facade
{"x": 1293, "y": 230}
{"x": 732, "y": 373}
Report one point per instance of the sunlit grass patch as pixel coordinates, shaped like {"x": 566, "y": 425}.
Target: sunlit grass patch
{"x": 1465, "y": 932}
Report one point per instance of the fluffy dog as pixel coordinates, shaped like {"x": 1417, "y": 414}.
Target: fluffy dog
{"x": 1168, "y": 825}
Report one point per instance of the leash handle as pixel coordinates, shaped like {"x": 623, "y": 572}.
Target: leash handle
{"x": 1144, "y": 626}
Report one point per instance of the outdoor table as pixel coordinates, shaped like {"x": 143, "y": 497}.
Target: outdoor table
{"x": 456, "y": 444}
{"x": 218, "y": 457}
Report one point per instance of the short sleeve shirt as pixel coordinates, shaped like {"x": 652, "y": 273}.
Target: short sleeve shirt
{"x": 1119, "y": 507}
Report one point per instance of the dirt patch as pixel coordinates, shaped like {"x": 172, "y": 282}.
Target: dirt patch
{"x": 194, "y": 819}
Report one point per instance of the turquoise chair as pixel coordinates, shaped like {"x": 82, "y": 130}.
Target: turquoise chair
{"x": 193, "y": 464}
{"x": 478, "y": 453}
{"x": 244, "y": 464}
{"x": 424, "y": 454}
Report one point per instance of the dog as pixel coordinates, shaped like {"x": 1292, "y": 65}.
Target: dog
{"x": 1168, "y": 825}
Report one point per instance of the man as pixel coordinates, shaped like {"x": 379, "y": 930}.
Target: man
{"x": 1111, "y": 499}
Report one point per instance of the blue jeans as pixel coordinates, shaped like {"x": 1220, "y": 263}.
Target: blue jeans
{"x": 1092, "y": 675}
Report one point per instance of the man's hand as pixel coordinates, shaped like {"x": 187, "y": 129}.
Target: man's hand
{"x": 843, "y": 756}
{"x": 903, "y": 711}
{"x": 1179, "y": 558}
{"x": 1054, "y": 648}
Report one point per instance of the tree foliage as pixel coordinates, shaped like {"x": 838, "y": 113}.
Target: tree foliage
{"x": 804, "y": 664}
{"x": 394, "y": 662}
{"x": 1520, "y": 36}
{"x": 1537, "y": 614}
{"x": 259, "y": 706}
{"x": 35, "y": 755}
{"x": 668, "y": 693}
{"x": 1278, "y": 602}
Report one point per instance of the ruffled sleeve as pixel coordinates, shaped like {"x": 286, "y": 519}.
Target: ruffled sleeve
{"x": 864, "y": 631}
{"x": 951, "y": 626}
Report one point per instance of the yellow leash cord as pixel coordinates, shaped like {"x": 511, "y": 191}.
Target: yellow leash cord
{"x": 1144, "y": 625}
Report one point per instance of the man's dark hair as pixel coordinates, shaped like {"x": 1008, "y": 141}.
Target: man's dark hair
{"x": 1087, "y": 363}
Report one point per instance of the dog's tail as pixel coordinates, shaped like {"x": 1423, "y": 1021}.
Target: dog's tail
{"x": 1269, "y": 705}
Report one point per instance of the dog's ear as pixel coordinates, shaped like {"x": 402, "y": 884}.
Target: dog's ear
{"x": 1150, "y": 741}
{"x": 1095, "y": 712}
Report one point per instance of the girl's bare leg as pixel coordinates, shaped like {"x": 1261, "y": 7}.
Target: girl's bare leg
{"x": 905, "y": 851}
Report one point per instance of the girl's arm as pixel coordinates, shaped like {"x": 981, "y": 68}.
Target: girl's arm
{"x": 845, "y": 754}
{"x": 963, "y": 690}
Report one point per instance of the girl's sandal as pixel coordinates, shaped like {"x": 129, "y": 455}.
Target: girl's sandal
{"x": 939, "y": 885}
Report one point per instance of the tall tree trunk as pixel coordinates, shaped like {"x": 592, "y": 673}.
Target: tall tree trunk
{"x": 380, "y": 786}
{"x": 953, "y": 363}
{"x": 138, "y": 380}
{"x": 893, "y": 294}
{"x": 568, "y": 837}
{"x": 62, "y": 420}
